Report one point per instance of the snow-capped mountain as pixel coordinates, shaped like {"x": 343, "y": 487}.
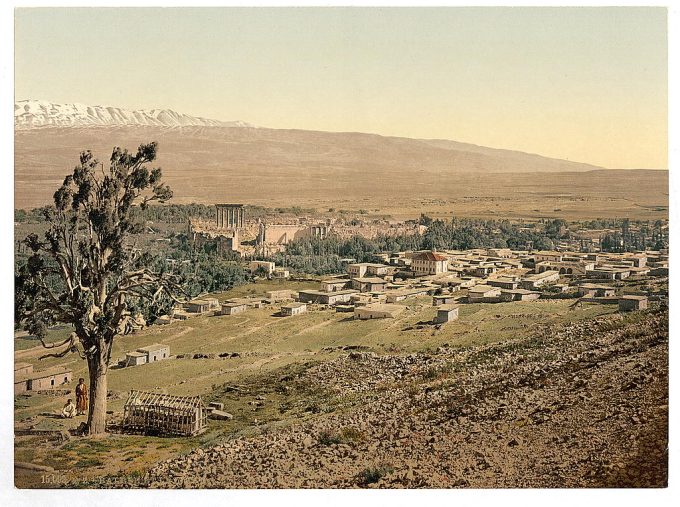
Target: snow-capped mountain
{"x": 30, "y": 114}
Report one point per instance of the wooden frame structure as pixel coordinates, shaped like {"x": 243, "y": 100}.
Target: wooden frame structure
{"x": 163, "y": 414}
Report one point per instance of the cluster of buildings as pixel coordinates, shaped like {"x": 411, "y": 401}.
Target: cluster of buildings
{"x": 372, "y": 290}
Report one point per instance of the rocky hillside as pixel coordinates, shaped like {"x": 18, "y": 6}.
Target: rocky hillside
{"x": 584, "y": 405}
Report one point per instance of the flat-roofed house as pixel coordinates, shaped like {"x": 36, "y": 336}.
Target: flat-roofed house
{"x": 335, "y": 284}
{"x": 503, "y": 283}
{"x": 444, "y": 299}
{"x": 22, "y": 372}
{"x": 519, "y": 295}
{"x": 374, "y": 269}
{"x": 198, "y": 306}
{"x": 609, "y": 273}
{"x": 483, "y": 294}
{"x": 279, "y": 295}
{"x": 377, "y": 311}
{"x": 356, "y": 270}
{"x": 446, "y": 313}
{"x": 155, "y": 352}
{"x": 539, "y": 279}
{"x": 293, "y": 309}
{"x": 401, "y": 294}
{"x": 547, "y": 256}
{"x": 630, "y": 303}
{"x": 593, "y": 290}
{"x": 280, "y": 273}
{"x": 638, "y": 260}
{"x": 232, "y": 308}
{"x": 135, "y": 358}
{"x": 361, "y": 269}
{"x": 265, "y": 267}
{"x": 368, "y": 284}
{"x": 326, "y": 298}
{"x": 429, "y": 263}
{"x": 45, "y": 379}
{"x": 484, "y": 270}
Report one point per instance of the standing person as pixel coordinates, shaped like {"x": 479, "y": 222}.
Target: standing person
{"x": 81, "y": 397}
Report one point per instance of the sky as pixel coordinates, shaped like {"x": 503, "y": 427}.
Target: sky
{"x": 586, "y": 84}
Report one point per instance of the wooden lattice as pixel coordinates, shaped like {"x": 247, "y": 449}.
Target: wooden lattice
{"x": 149, "y": 412}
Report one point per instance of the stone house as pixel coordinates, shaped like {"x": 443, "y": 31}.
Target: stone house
{"x": 40, "y": 380}
{"x": 368, "y": 284}
{"x": 483, "y": 294}
{"x": 232, "y": 308}
{"x": 429, "y": 263}
{"x": 446, "y": 313}
{"x": 293, "y": 309}
{"x": 631, "y": 303}
{"x": 377, "y": 311}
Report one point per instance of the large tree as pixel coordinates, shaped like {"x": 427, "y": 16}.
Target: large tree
{"x": 86, "y": 271}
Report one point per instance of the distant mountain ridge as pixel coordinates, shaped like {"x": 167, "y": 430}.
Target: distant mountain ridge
{"x": 29, "y": 114}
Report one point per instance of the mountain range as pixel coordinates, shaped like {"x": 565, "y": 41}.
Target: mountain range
{"x": 211, "y": 161}
{"x": 40, "y": 113}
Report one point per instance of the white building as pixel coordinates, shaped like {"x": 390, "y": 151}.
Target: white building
{"x": 429, "y": 263}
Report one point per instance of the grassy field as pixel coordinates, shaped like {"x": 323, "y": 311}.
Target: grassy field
{"x": 268, "y": 347}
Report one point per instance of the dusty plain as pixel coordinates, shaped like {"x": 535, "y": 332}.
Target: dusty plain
{"x": 398, "y": 177}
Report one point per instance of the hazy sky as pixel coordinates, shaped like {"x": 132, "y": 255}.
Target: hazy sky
{"x": 584, "y": 84}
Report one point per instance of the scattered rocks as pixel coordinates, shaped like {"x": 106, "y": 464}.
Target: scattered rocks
{"x": 552, "y": 409}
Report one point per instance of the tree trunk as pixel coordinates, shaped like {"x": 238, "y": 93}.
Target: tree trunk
{"x": 96, "y": 417}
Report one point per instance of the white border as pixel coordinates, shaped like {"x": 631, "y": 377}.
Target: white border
{"x": 11, "y": 496}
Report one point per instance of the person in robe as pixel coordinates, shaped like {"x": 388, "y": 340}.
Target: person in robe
{"x": 69, "y": 410}
{"x": 81, "y": 397}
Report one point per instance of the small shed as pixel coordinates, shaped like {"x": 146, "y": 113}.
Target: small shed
{"x": 135, "y": 359}
{"x": 446, "y": 313}
{"x": 233, "y": 308}
{"x": 377, "y": 311}
{"x": 630, "y": 303}
{"x": 198, "y": 306}
{"x": 279, "y": 295}
{"x": 293, "y": 309}
{"x": 163, "y": 414}
{"x": 155, "y": 352}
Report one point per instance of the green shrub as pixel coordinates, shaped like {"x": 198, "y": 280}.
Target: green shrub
{"x": 372, "y": 475}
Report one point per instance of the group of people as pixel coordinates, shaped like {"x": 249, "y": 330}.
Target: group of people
{"x": 80, "y": 408}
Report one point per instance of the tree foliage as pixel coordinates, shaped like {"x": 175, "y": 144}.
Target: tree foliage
{"x": 86, "y": 271}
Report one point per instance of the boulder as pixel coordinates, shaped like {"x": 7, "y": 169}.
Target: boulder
{"x": 221, "y": 415}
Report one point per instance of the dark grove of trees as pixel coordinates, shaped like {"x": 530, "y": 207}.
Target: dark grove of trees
{"x": 312, "y": 255}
